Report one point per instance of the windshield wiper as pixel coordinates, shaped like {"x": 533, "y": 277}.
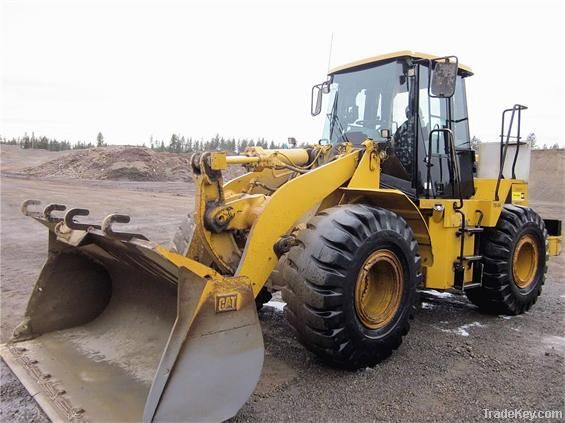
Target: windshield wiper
{"x": 334, "y": 118}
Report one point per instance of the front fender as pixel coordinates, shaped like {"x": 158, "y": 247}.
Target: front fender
{"x": 397, "y": 202}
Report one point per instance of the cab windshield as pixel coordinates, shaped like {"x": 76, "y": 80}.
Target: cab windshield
{"x": 364, "y": 101}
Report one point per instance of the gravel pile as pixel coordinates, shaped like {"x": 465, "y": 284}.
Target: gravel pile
{"x": 117, "y": 163}
{"x": 121, "y": 164}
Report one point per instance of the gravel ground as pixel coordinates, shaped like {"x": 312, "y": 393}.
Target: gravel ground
{"x": 454, "y": 363}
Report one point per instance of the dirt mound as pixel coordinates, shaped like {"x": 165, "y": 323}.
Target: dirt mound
{"x": 121, "y": 164}
{"x": 547, "y": 176}
{"x": 117, "y": 163}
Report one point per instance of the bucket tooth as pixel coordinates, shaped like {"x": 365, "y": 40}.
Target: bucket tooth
{"x": 27, "y": 212}
{"x": 25, "y": 205}
{"x": 71, "y": 222}
{"x": 118, "y": 218}
{"x": 45, "y": 216}
{"x": 50, "y": 208}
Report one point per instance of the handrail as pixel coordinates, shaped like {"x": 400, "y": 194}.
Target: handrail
{"x": 450, "y": 146}
{"x": 504, "y": 145}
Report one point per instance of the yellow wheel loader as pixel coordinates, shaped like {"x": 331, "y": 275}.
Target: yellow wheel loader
{"x": 390, "y": 200}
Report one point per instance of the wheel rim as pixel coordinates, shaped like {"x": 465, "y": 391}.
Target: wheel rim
{"x": 378, "y": 290}
{"x": 525, "y": 261}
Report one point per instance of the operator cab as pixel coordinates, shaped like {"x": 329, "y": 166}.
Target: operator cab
{"x": 409, "y": 102}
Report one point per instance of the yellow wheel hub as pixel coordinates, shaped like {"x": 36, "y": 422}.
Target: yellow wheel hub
{"x": 378, "y": 290}
{"x": 525, "y": 261}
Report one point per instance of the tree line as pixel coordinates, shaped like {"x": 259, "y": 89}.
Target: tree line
{"x": 181, "y": 144}
{"x": 176, "y": 144}
{"x": 45, "y": 143}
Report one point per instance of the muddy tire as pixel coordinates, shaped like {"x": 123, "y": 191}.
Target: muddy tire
{"x": 515, "y": 262}
{"x": 341, "y": 298}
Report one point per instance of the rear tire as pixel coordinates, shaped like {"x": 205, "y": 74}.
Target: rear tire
{"x": 515, "y": 262}
{"x": 350, "y": 284}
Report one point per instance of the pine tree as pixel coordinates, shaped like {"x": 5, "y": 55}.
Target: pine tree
{"x": 532, "y": 141}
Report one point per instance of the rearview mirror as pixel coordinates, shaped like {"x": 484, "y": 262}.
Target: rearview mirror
{"x": 316, "y": 101}
{"x": 443, "y": 77}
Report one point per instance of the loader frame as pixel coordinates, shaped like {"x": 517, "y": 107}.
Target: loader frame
{"x": 342, "y": 180}
{"x": 440, "y": 225}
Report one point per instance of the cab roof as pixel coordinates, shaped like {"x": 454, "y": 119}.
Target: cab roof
{"x": 465, "y": 70}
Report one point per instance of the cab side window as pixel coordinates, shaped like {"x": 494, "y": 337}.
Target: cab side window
{"x": 460, "y": 116}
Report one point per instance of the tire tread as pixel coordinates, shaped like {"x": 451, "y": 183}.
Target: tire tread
{"x": 315, "y": 273}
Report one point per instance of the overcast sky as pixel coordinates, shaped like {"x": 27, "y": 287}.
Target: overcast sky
{"x": 245, "y": 69}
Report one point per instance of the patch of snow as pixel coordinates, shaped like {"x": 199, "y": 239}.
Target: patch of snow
{"x": 439, "y": 294}
{"x": 463, "y": 330}
{"x": 502, "y": 316}
{"x": 427, "y": 306}
{"x": 279, "y": 306}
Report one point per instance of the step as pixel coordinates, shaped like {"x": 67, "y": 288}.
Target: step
{"x": 472, "y": 230}
{"x": 472, "y": 258}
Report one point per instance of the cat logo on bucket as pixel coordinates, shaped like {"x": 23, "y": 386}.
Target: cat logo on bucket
{"x": 226, "y": 302}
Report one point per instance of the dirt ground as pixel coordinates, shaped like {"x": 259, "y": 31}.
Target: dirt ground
{"x": 454, "y": 363}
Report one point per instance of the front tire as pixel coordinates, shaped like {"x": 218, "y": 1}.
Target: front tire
{"x": 515, "y": 262}
{"x": 350, "y": 284}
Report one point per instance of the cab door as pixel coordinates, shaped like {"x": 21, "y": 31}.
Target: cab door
{"x": 435, "y": 167}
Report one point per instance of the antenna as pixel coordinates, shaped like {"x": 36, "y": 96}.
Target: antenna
{"x": 330, "y": 54}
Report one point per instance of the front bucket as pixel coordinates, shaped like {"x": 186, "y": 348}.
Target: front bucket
{"x": 127, "y": 331}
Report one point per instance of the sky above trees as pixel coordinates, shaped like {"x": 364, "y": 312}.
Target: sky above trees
{"x": 244, "y": 69}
